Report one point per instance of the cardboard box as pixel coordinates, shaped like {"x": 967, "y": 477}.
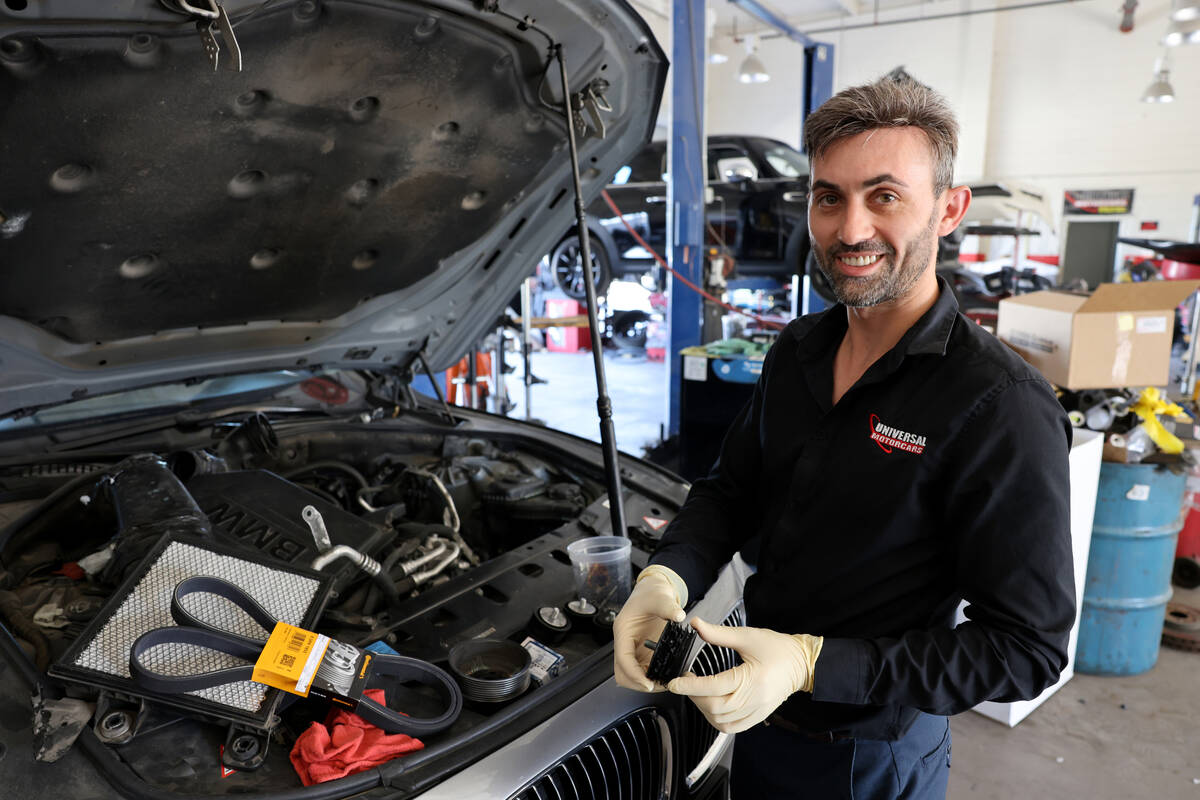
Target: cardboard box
{"x": 1119, "y": 336}
{"x": 1085, "y": 477}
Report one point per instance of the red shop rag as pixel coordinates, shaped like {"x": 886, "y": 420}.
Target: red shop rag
{"x": 346, "y": 744}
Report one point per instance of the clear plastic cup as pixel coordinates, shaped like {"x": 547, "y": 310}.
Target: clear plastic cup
{"x": 602, "y": 573}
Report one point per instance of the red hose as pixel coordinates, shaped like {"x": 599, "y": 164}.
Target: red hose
{"x": 767, "y": 322}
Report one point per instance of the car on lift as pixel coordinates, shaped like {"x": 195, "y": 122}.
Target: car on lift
{"x": 757, "y": 215}
{"x": 216, "y": 288}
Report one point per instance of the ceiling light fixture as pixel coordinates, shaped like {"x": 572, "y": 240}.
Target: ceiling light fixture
{"x": 1184, "y": 10}
{"x": 716, "y": 53}
{"x": 1187, "y": 32}
{"x": 752, "y": 69}
{"x": 1160, "y": 90}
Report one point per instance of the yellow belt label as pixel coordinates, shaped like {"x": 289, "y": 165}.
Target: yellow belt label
{"x": 290, "y": 659}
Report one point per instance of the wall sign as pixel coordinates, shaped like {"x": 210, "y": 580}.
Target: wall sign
{"x": 1091, "y": 202}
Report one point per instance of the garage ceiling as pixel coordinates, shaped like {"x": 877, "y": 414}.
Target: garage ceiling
{"x": 801, "y": 13}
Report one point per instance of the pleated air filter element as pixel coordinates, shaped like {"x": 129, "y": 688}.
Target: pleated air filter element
{"x": 100, "y": 657}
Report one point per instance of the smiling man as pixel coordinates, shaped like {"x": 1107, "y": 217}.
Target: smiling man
{"x": 894, "y": 459}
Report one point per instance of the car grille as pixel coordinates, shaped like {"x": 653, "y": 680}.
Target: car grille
{"x": 629, "y": 761}
{"x": 696, "y": 735}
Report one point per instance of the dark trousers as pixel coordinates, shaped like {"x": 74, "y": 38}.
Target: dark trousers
{"x": 770, "y": 763}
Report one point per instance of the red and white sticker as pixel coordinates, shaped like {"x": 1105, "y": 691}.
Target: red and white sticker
{"x": 654, "y": 522}
{"x": 225, "y": 771}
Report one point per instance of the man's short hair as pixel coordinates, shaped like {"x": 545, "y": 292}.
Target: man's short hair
{"x": 887, "y": 103}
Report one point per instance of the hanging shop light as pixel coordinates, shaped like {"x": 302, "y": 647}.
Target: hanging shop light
{"x": 1160, "y": 90}
{"x": 716, "y": 51}
{"x": 1184, "y": 10}
{"x": 717, "y": 54}
{"x": 1186, "y": 32}
{"x": 752, "y": 69}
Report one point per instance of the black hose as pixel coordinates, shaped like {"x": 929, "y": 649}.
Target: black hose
{"x": 316, "y": 465}
{"x": 22, "y": 625}
{"x": 415, "y": 530}
{"x": 383, "y": 581}
{"x": 49, "y": 501}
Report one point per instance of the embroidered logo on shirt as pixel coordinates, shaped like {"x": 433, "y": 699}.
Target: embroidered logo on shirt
{"x": 889, "y": 438}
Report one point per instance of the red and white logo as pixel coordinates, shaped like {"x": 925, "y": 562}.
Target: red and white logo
{"x": 889, "y": 438}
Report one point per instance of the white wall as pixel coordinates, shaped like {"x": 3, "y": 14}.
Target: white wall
{"x": 1048, "y": 95}
{"x": 1066, "y": 111}
{"x": 951, "y": 55}
{"x": 767, "y": 109}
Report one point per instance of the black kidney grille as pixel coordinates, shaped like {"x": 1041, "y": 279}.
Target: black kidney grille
{"x": 696, "y": 734}
{"x": 629, "y": 761}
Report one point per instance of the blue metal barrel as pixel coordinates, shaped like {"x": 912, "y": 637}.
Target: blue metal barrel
{"x": 1138, "y": 516}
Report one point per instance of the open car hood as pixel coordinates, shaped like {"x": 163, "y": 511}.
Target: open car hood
{"x": 374, "y": 182}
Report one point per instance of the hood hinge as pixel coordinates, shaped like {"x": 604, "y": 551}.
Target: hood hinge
{"x": 209, "y": 19}
{"x": 593, "y": 101}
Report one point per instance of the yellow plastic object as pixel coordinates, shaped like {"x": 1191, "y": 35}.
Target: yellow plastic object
{"x": 1148, "y": 407}
{"x": 290, "y": 659}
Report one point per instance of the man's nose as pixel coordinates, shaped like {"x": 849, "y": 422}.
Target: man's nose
{"x": 857, "y": 225}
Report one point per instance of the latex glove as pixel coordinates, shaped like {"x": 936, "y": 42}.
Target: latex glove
{"x": 658, "y": 597}
{"x": 774, "y": 666}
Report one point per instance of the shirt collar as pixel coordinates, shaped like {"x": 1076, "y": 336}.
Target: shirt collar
{"x": 929, "y": 335}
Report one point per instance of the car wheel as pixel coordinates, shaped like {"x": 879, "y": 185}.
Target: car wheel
{"x": 567, "y": 266}
{"x": 629, "y": 329}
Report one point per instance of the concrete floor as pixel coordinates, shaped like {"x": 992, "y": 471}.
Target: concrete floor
{"x": 637, "y": 387}
{"x": 1097, "y": 737}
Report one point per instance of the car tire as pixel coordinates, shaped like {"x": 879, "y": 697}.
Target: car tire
{"x": 628, "y": 329}
{"x": 567, "y": 267}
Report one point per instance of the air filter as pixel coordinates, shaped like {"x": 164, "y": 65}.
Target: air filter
{"x": 100, "y": 656}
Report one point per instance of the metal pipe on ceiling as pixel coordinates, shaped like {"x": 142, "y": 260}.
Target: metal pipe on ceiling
{"x": 951, "y": 15}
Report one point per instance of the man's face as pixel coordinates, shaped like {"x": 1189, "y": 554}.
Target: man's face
{"x": 872, "y": 217}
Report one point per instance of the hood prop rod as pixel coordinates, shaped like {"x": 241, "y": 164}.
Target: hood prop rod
{"x": 608, "y": 437}
{"x": 437, "y": 389}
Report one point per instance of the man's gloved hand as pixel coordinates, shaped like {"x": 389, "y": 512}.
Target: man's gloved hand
{"x": 774, "y": 666}
{"x": 658, "y": 596}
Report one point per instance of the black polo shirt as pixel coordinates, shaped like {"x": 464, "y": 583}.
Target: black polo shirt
{"x": 940, "y": 475}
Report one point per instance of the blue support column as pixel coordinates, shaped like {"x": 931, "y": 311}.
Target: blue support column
{"x": 818, "y": 87}
{"x": 685, "y": 191}
{"x": 818, "y": 79}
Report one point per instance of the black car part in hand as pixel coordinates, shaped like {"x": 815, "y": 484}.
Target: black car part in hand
{"x": 194, "y": 631}
{"x": 670, "y": 652}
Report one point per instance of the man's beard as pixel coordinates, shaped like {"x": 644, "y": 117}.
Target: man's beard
{"x": 891, "y": 281}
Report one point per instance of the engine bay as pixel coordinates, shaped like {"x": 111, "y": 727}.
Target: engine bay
{"x": 434, "y": 538}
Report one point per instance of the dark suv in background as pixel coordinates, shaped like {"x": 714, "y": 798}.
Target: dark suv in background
{"x": 758, "y": 214}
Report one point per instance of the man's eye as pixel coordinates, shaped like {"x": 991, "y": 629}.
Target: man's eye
{"x": 826, "y": 200}
{"x": 886, "y": 198}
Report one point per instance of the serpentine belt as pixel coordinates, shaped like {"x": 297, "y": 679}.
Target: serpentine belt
{"x": 194, "y": 631}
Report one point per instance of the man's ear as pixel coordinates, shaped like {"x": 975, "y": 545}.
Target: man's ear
{"x": 957, "y": 200}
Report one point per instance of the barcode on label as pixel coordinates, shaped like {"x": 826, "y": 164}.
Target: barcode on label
{"x": 296, "y": 642}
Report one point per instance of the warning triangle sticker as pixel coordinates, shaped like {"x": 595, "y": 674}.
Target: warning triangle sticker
{"x": 654, "y": 522}
{"x": 225, "y": 771}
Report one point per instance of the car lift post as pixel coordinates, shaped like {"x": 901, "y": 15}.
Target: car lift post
{"x": 686, "y": 180}
{"x": 686, "y": 184}
{"x": 608, "y": 435}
